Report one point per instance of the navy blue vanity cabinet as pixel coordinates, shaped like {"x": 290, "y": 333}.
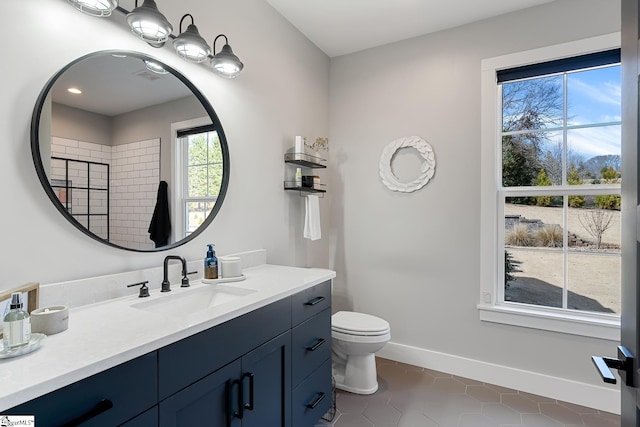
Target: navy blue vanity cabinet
{"x": 311, "y": 354}
{"x": 235, "y": 374}
{"x": 269, "y": 367}
{"x": 109, "y": 398}
{"x": 254, "y": 390}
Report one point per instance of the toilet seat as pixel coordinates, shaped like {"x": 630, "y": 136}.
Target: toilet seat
{"x": 358, "y": 324}
{"x": 364, "y": 339}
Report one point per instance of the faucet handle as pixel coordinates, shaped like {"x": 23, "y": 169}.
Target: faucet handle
{"x": 185, "y": 280}
{"x": 144, "y": 290}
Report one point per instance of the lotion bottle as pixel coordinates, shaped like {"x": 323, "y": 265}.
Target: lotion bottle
{"x": 211, "y": 264}
{"x": 16, "y": 325}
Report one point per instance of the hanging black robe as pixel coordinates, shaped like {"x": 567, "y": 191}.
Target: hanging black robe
{"x": 160, "y": 227}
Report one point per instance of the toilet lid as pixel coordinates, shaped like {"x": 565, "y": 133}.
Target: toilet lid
{"x": 350, "y": 321}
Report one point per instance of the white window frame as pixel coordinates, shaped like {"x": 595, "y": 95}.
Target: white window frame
{"x": 178, "y": 173}
{"x": 491, "y": 306}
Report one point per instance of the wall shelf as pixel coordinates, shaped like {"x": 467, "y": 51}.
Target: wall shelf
{"x": 291, "y": 186}
{"x": 305, "y": 160}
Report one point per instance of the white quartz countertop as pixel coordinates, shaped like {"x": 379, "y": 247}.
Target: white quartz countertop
{"x": 105, "y": 334}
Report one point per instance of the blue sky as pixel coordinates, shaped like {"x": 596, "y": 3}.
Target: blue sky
{"x": 594, "y": 96}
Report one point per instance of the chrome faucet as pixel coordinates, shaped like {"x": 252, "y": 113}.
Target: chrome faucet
{"x": 166, "y": 285}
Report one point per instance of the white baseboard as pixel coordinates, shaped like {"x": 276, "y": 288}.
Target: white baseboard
{"x": 601, "y": 398}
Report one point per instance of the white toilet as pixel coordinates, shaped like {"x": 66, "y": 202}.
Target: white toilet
{"x": 356, "y": 337}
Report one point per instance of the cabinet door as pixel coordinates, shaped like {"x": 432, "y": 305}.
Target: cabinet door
{"x": 108, "y": 398}
{"x": 266, "y": 384}
{"x": 208, "y": 402}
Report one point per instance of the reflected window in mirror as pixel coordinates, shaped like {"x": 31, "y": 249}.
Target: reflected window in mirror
{"x": 202, "y": 177}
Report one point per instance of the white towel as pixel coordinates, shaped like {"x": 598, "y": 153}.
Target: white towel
{"x": 312, "y": 218}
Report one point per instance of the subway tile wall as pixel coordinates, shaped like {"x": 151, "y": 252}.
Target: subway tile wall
{"x": 135, "y": 175}
{"x": 134, "y": 178}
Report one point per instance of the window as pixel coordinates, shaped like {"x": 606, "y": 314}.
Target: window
{"x": 555, "y": 185}
{"x": 200, "y": 166}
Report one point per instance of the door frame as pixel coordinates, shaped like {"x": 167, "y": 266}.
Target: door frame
{"x": 630, "y": 211}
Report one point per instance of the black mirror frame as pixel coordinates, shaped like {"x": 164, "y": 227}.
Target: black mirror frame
{"x": 44, "y": 180}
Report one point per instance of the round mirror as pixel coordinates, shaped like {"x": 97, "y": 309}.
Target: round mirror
{"x": 129, "y": 151}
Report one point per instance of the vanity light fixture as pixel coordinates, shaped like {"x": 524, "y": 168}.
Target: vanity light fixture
{"x": 149, "y": 24}
{"x": 225, "y": 62}
{"x": 100, "y": 8}
{"x": 189, "y": 45}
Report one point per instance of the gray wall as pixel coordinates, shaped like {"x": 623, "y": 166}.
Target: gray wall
{"x": 261, "y": 111}
{"x": 80, "y": 125}
{"x": 414, "y": 259}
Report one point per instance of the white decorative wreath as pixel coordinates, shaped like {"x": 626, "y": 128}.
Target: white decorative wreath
{"x": 426, "y": 171}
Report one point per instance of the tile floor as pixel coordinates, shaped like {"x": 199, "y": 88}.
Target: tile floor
{"x": 410, "y": 396}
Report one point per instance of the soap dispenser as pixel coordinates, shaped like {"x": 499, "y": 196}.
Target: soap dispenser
{"x": 16, "y": 325}
{"x": 211, "y": 264}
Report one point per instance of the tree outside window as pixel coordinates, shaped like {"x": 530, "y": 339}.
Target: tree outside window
{"x": 204, "y": 171}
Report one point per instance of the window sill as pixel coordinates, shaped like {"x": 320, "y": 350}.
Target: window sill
{"x": 589, "y": 325}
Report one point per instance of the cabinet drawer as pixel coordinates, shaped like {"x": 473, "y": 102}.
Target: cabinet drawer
{"x": 310, "y": 302}
{"x": 188, "y": 360}
{"x": 312, "y": 398}
{"x": 108, "y": 398}
{"x": 311, "y": 345}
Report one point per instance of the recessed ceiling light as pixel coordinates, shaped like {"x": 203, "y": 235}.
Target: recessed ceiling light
{"x": 74, "y": 90}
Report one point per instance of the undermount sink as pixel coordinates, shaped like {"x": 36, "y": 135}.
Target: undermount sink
{"x": 192, "y": 300}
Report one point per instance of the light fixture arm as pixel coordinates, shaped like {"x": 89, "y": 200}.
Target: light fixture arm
{"x": 226, "y": 41}
{"x": 182, "y": 19}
